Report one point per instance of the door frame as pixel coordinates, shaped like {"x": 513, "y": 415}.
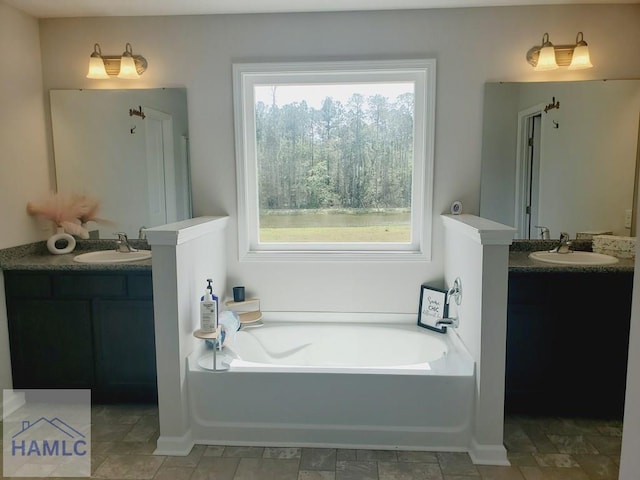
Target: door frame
{"x": 522, "y": 165}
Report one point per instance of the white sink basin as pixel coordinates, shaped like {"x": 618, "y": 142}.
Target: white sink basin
{"x": 574, "y": 258}
{"x": 111, "y": 256}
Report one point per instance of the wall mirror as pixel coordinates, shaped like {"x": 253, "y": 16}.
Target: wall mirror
{"x": 561, "y": 155}
{"x": 127, "y": 148}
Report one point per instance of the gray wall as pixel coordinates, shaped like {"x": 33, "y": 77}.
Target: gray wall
{"x": 472, "y": 46}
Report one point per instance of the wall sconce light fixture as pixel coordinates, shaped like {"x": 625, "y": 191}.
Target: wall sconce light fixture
{"x": 127, "y": 65}
{"x": 549, "y": 56}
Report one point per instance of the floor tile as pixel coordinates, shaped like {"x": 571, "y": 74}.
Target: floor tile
{"x": 490, "y": 472}
{"x": 214, "y": 451}
{"x": 96, "y": 461}
{"x": 356, "y": 471}
{"x": 132, "y": 448}
{"x": 411, "y": 456}
{"x": 409, "y": 471}
{"x": 553, "y": 473}
{"x": 610, "y": 431}
{"x": 598, "y": 467}
{"x": 142, "y": 433}
{"x": 245, "y": 452}
{"x": 129, "y": 467}
{"x": 516, "y": 440}
{"x": 376, "y": 456}
{"x": 520, "y": 459}
{"x": 346, "y": 455}
{"x": 540, "y": 439}
{"x": 318, "y": 459}
{"x": 174, "y": 473}
{"x": 316, "y": 475}
{"x": 267, "y": 468}
{"x": 190, "y": 460}
{"x": 572, "y": 444}
{"x": 215, "y": 468}
{"x": 278, "y": 452}
{"x": 606, "y": 445}
{"x": 561, "y": 460}
{"x": 109, "y": 432}
{"x": 566, "y": 426}
{"x": 455, "y": 463}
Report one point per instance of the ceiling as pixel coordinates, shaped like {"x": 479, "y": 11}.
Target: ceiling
{"x": 107, "y": 8}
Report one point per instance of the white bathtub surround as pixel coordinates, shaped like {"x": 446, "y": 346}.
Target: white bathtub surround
{"x": 335, "y": 384}
{"x": 477, "y": 251}
{"x": 191, "y": 251}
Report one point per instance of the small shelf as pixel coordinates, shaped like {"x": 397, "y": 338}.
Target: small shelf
{"x": 250, "y": 317}
{"x": 206, "y": 335}
{"x": 248, "y": 310}
{"x": 231, "y": 304}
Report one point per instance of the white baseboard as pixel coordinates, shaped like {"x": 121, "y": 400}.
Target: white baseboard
{"x": 177, "y": 446}
{"x": 488, "y": 454}
{"x": 11, "y": 401}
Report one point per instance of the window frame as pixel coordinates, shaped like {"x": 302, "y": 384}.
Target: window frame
{"x": 247, "y": 75}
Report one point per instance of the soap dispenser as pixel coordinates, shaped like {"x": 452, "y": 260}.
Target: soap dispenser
{"x": 209, "y": 310}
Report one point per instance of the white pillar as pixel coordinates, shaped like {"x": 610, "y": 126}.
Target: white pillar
{"x": 477, "y": 251}
{"x": 185, "y": 254}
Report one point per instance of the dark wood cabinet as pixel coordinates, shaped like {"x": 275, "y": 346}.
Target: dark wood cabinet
{"x": 51, "y": 345}
{"x": 83, "y": 330}
{"x": 125, "y": 357}
{"x": 567, "y": 342}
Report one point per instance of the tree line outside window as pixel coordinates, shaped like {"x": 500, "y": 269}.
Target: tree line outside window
{"x": 345, "y": 155}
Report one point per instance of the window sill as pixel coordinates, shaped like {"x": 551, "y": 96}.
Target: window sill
{"x": 334, "y": 256}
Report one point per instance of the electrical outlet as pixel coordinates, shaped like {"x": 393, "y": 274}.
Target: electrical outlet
{"x": 627, "y": 218}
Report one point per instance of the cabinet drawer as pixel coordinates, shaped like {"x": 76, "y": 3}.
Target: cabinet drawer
{"x": 140, "y": 286}
{"x": 27, "y": 285}
{"x": 81, "y": 286}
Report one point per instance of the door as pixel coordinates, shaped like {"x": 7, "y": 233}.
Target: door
{"x": 533, "y": 143}
{"x": 160, "y": 161}
{"x": 528, "y": 171}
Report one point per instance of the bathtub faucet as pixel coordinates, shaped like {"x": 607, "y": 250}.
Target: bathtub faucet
{"x": 452, "y": 322}
{"x": 455, "y": 294}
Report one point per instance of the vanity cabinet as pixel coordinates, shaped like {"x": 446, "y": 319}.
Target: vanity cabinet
{"x": 567, "y": 342}
{"x": 83, "y": 330}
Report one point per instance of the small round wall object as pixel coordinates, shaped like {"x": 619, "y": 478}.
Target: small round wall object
{"x": 456, "y": 207}
{"x": 61, "y": 242}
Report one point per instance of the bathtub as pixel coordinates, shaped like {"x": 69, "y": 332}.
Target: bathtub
{"x": 335, "y": 384}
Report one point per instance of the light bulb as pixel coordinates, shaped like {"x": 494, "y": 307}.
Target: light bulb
{"x": 96, "y": 64}
{"x": 580, "y": 58}
{"x": 128, "y": 65}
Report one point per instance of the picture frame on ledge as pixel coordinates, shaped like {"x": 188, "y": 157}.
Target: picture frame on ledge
{"x": 433, "y": 307}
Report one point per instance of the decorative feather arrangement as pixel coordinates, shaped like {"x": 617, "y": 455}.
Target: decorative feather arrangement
{"x": 70, "y": 212}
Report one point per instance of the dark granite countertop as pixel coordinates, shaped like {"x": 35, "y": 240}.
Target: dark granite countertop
{"x": 35, "y": 256}
{"x": 520, "y": 262}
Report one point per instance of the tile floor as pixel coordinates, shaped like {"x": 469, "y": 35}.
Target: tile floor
{"x": 123, "y": 439}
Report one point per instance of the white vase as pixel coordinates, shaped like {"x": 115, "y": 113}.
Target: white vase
{"x": 65, "y": 242}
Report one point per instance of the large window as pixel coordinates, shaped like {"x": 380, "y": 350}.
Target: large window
{"x": 335, "y": 160}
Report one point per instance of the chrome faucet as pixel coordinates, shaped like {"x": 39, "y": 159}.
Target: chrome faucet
{"x": 142, "y": 234}
{"x": 565, "y": 243}
{"x": 454, "y": 293}
{"x": 452, "y": 322}
{"x": 122, "y": 243}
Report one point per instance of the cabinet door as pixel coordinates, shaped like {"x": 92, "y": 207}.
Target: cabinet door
{"x": 125, "y": 350}
{"x": 51, "y": 343}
